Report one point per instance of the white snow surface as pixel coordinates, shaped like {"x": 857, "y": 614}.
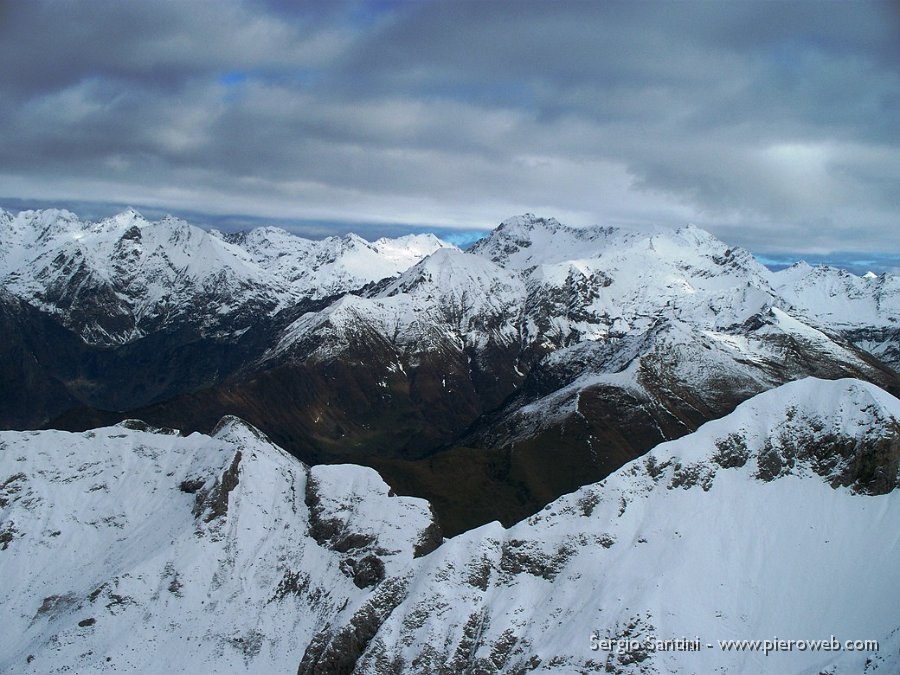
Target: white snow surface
{"x": 699, "y": 539}
{"x": 686, "y": 273}
{"x": 103, "y": 531}
{"x": 334, "y": 265}
{"x": 835, "y": 297}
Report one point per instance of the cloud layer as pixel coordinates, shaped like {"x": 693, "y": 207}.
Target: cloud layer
{"x": 776, "y": 126}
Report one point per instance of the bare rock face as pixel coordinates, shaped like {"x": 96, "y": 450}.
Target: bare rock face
{"x": 338, "y": 651}
{"x": 213, "y": 503}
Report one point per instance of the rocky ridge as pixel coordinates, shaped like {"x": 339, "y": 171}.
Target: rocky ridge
{"x": 136, "y": 548}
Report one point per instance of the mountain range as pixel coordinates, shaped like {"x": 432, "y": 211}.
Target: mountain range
{"x": 562, "y": 450}
{"x": 489, "y": 381}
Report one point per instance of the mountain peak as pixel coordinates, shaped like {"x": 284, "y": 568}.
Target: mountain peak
{"x": 697, "y": 235}
{"x": 124, "y": 219}
{"x": 784, "y": 432}
{"x": 129, "y": 213}
{"x": 354, "y": 239}
{"x": 452, "y": 271}
{"x": 45, "y": 219}
{"x": 233, "y": 429}
{"x": 426, "y": 243}
{"x": 528, "y": 222}
{"x": 527, "y": 240}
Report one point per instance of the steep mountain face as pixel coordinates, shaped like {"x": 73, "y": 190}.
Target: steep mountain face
{"x": 427, "y": 352}
{"x": 594, "y": 283}
{"x": 640, "y": 338}
{"x": 334, "y": 265}
{"x": 491, "y": 381}
{"x": 450, "y": 298}
{"x": 122, "y": 278}
{"x": 669, "y": 329}
{"x": 146, "y": 550}
{"x": 865, "y": 309}
{"x": 135, "y": 548}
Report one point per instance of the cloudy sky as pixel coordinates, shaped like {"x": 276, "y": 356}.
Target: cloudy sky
{"x": 774, "y": 125}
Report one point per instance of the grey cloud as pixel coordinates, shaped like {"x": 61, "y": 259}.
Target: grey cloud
{"x": 775, "y": 125}
{"x": 46, "y": 46}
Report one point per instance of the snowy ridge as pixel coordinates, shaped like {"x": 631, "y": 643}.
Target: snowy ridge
{"x": 702, "y": 538}
{"x": 334, "y": 265}
{"x": 138, "y": 549}
{"x": 143, "y": 551}
{"x": 670, "y": 366}
{"x": 120, "y": 278}
{"x": 685, "y": 272}
{"x": 838, "y": 298}
{"x": 866, "y": 309}
{"x": 224, "y": 554}
{"x": 449, "y": 299}
{"x": 676, "y": 314}
{"x": 124, "y": 277}
{"x": 619, "y": 281}
{"x": 540, "y": 333}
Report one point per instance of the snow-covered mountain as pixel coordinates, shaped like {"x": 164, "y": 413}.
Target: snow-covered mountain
{"x": 838, "y": 298}
{"x": 634, "y": 277}
{"x": 450, "y": 298}
{"x": 124, "y": 277}
{"x": 151, "y": 551}
{"x": 603, "y": 284}
{"x": 335, "y": 265}
{"x": 757, "y": 525}
{"x": 865, "y": 309}
{"x": 133, "y": 548}
{"x": 673, "y": 315}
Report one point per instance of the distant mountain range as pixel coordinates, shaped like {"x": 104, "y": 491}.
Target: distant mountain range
{"x": 490, "y": 381}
